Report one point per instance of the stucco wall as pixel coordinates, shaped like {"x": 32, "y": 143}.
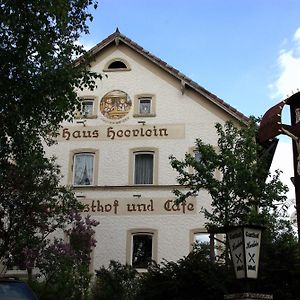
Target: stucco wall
{"x": 190, "y": 110}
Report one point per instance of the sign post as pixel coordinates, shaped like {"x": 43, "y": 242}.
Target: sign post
{"x": 244, "y": 243}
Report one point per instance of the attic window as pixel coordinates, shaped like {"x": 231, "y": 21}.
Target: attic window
{"x": 116, "y": 65}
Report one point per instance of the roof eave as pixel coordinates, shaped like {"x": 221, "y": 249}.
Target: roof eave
{"x": 117, "y": 37}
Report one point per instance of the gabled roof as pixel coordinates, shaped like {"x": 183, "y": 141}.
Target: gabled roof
{"x": 118, "y": 38}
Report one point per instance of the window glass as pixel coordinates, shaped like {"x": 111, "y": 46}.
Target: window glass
{"x": 201, "y": 237}
{"x": 83, "y": 169}
{"x": 145, "y": 106}
{"x": 87, "y": 108}
{"x": 80, "y": 243}
{"x": 117, "y": 65}
{"x": 141, "y": 250}
{"x": 197, "y": 155}
{"x": 143, "y": 168}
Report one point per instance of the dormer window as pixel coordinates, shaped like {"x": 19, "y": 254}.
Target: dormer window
{"x": 117, "y": 64}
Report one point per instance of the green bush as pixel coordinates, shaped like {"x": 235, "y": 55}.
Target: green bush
{"x": 192, "y": 277}
{"x": 117, "y": 282}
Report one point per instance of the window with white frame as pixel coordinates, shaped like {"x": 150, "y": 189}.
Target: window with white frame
{"x": 201, "y": 238}
{"x": 83, "y": 169}
{"x": 87, "y": 107}
{"x": 142, "y": 246}
{"x": 197, "y": 155}
{"x": 143, "y": 167}
{"x": 145, "y": 104}
{"x": 194, "y": 152}
{"x": 116, "y": 64}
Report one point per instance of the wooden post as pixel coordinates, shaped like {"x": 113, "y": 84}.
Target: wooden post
{"x": 212, "y": 247}
{"x": 294, "y": 106}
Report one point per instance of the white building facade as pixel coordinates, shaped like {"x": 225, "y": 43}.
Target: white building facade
{"x": 116, "y": 153}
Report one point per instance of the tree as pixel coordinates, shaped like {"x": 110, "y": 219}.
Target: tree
{"x": 241, "y": 194}
{"x": 33, "y": 205}
{"x": 245, "y": 192}
{"x": 39, "y": 76}
{"x": 65, "y": 265}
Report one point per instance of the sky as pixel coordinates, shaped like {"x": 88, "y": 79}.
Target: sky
{"x": 247, "y": 52}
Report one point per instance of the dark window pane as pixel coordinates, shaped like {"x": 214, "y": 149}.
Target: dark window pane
{"x": 142, "y": 250}
{"x": 80, "y": 243}
{"x": 117, "y": 65}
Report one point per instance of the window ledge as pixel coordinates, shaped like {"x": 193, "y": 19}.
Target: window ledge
{"x": 144, "y": 115}
{"x": 85, "y": 117}
{"x": 127, "y": 187}
{"x": 116, "y": 70}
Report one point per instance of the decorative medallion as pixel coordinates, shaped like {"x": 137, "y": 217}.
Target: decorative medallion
{"x": 115, "y": 105}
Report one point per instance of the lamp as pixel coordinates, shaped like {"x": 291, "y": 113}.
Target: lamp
{"x": 244, "y": 243}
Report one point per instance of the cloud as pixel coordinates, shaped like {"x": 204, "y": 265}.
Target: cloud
{"x": 87, "y": 45}
{"x": 287, "y": 82}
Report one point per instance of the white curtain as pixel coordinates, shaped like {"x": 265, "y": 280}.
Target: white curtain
{"x": 83, "y": 169}
{"x": 143, "y": 168}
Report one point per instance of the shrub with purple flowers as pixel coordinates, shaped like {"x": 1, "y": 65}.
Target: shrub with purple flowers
{"x": 64, "y": 266}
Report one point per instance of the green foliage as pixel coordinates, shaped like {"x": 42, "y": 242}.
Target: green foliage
{"x": 242, "y": 186}
{"x": 280, "y": 261}
{"x": 39, "y": 77}
{"x": 192, "y": 277}
{"x": 244, "y": 193}
{"x": 32, "y": 204}
{"x": 66, "y": 276}
{"x": 65, "y": 266}
{"x": 38, "y": 74}
{"x": 118, "y": 282}
{"x": 196, "y": 277}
